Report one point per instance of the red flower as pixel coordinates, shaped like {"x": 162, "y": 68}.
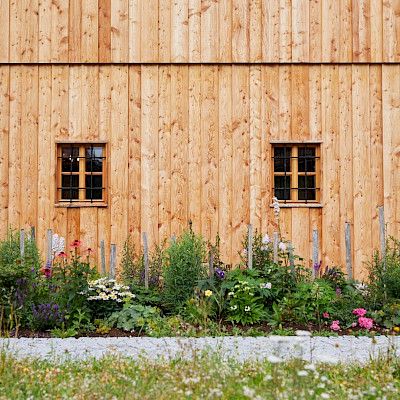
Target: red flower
{"x": 75, "y": 244}
{"x": 89, "y": 251}
{"x": 46, "y": 271}
{"x": 62, "y": 254}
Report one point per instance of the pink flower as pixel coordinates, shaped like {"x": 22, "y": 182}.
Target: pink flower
{"x": 75, "y": 244}
{"x": 354, "y": 324}
{"x": 325, "y": 315}
{"x": 360, "y": 312}
{"x": 62, "y": 254}
{"x": 335, "y": 326}
{"x": 366, "y": 323}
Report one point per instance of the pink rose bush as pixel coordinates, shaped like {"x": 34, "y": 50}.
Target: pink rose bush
{"x": 360, "y": 312}
{"x": 362, "y": 321}
{"x": 365, "y": 323}
{"x": 335, "y": 326}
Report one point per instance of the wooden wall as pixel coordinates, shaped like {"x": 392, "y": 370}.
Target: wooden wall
{"x": 193, "y": 31}
{"x": 193, "y": 142}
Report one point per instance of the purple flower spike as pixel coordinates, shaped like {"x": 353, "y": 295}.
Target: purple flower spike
{"x": 219, "y": 273}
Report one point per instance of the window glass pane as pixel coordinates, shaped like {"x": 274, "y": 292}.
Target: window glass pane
{"x": 94, "y": 185}
{"x": 94, "y": 162}
{"x": 282, "y": 187}
{"x": 70, "y": 184}
{"x": 282, "y": 159}
{"x": 70, "y": 159}
{"x": 306, "y": 159}
{"x": 307, "y": 190}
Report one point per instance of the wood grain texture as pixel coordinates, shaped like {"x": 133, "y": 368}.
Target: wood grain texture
{"x": 182, "y": 31}
{"x": 193, "y": 143}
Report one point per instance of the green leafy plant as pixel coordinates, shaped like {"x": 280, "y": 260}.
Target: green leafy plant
{"x": 183, "y": 269}
{"x": 388, "y": 316}
{"x": 133, "y": 316}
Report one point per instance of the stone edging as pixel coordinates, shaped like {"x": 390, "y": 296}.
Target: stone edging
{"x": 344, "y": 349}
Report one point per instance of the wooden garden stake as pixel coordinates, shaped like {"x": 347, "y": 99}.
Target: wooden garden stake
{"x": 146, "y": 260}
{"x": 22, "y": 243}
{"x": 103, "y": 257}
{"x": 49, "y": 246}
{"x": 347, "y": 239}
{"x": 315, "y": 242}
{"x": 33, "y": 234}
{"x": 113, "y": 259}
{"x": 382, "y": 234}
{"x": 291, "y": 257}
{"x": 276, "y": 244}
{"x": 173, "y": 239}
{"x": 250, "y": 247}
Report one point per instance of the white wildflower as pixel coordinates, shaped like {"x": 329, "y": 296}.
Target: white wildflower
{"x": 282, "y": 246}
{"x": 302, "y": 373}
{"x": 248, "y": 392}
{"x": 267, "y": 285}
{"x": 247, "y": 309}
{"x": 266, "y": 239}
{"x": 324, "y": 396}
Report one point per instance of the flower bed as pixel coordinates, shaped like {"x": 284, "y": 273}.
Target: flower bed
{"x": 67, "y": 298}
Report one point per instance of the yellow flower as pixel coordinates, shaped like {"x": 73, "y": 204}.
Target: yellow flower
{"x": 396, "y": 329}
{"x": 208, "y": 293}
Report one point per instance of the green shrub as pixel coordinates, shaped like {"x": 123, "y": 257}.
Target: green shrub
{"x": 132, "y": 265}
{"x": 384, "y": 276}
{"x": 183, "y": 269}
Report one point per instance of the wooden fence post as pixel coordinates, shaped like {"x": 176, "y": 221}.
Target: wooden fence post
{"x": 382, "y": 234}
{"x": 22, "y": 243}
{"x": 146, "y": 260}
{"x": 276, "y": 244}
{"x": 113, "y": 259}
{"x": 347, "y": 239}
{"x": 315, "y": 254}
{"x": 49, "y": 246}
{"x": 103, "y": 257}
{"x": 291, "y": 257}
{"x": 33, "y": 234}
{"x": 250, "y": 246}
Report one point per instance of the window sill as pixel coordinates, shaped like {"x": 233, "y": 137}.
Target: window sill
{"x": 79, "y": 204}
{"x": 298, "y": 205}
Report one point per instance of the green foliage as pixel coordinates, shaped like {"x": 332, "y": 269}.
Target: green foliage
{"x": 148, "y": 297}
{"x": 263, "y": 253}
{"x": 133, "y": 316}
{"x": 246, "y": 297}
{"x": 199, "y": 309}
{"x": 388, "y": 316}
{"x": 384, "y": 276}
{"x": 183, "y": 269}
{"x": 132, "y": 265}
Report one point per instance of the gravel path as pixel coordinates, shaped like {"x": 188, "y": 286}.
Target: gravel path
{"x": 345, "y": 349}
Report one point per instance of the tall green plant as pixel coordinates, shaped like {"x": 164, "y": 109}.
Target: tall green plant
{"x": 183, "y": 269}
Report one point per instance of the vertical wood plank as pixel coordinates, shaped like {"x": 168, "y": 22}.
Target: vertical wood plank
{"x": 60, "y": 30}
{"x": 300, "y": 30}
{"x": 270, "y": 30}
{"x": 330, "y": 166}
{"x": 225, "y": 30}
{"x": 225, "y": 177}
{"x": 164, "y": 161}
{"x": 194, "y": 148}
{"x": 315, "y": 30}
{"x": 361, "y": 31}
{"x": 376, "y": 15}
{"x": 90, "y": 31}
{"x": 74, "y": 30}
{"x": 120, "y": 30}
{"x": 45, "y": 13}
{"x": 314, "y": 82}
{"x": 119, "y": 155}
{"x": 104, "y": 32}
{"x": 179, "y": 31}
{"x": 240, "y": 155}
{"x": 149, "y": 162}
{"x": 209, "y": 151}
{"x": 300, "y": 103}
{"x": 346, "y": 154}
{"x": 29, "y": 137}
{"x": 209, "y": 29}
{"x": 4, "y": 30}
{"x": 285, "y": 31}
{"x": 149, "y": 31}
{"x": 135, "y": 11}
{"x": 344, "y": 18}
{"x": 179, "y": 148}
{"x": 391, "y": 31}
{"x": 240, "y": 31}
{"x": 194, "y": 16}
{"x": 164, "y": 30}
{"x": 361, "y": 167}
{"x": 255, "y": 147}
{"x": 255, "y": 34}
{"x": 330, "y": 30}
{"x": 4, "y": 146}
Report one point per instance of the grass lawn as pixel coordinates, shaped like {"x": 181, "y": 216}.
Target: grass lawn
{"x": 201, "y": 378}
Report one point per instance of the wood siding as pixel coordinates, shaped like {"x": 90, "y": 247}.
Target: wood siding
{"x": 193, "y": 142}
{"x": 193, "y": 31}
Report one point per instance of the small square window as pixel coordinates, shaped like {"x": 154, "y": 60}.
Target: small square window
{"x": 296, "y": 172}
{"x": 81, "y": 173}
